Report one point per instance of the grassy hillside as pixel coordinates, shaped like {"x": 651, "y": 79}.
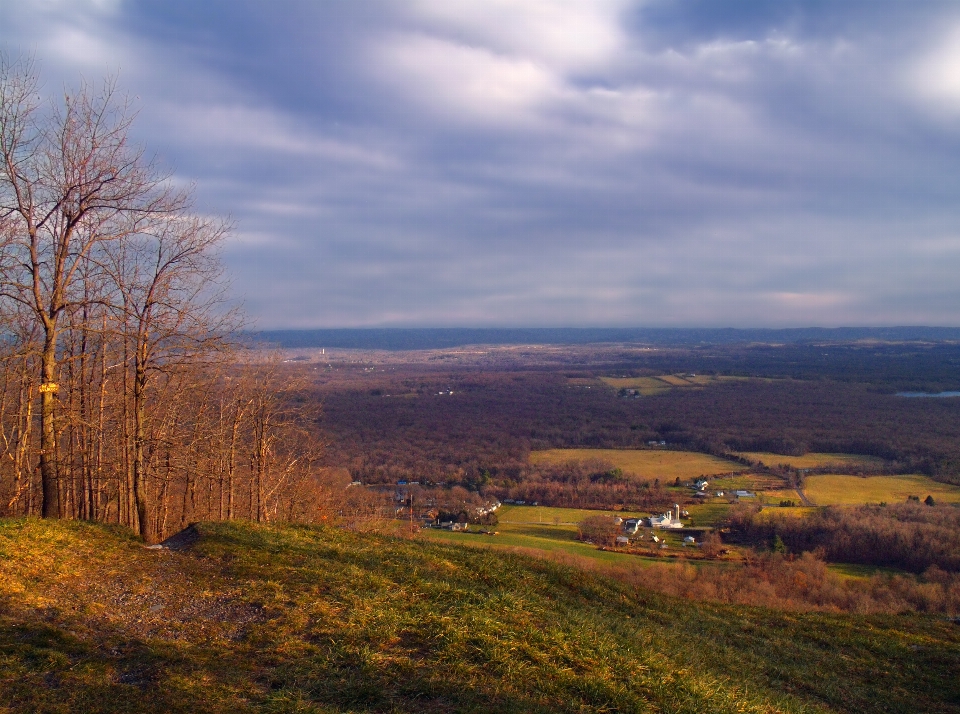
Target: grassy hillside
{"x": 318, "y": 620}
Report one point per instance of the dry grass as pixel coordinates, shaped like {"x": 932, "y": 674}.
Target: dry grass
{"x": 837, "y": 490}
{"x": 644, "y": 464}
{"x": 813, "y": 460}
{"x": 774, "y": 497}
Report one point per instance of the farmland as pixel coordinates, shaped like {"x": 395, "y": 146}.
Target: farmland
{"x": 648, "y": 386}
{"x": 644, "y": 464}
{"x": 551, "y": 531}
{"x": 813, "y": 460}
{"x": 840, "y": 490}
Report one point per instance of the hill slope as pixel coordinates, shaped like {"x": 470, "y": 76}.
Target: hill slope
{"x": 305, "y": 619}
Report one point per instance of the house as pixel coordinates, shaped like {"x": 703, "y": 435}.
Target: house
{"x": 744, "y": 494}
{"x": 689, "y": 540}
{"x": 701, "y": 484}
{"x": 631, "y": 525}
{"x": 429, "y": 516}
{"x": 623, "y": 540}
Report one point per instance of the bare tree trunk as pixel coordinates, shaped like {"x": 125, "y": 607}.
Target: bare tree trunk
{"x": 140, "y": 492}
{"x": 50, "y": 496}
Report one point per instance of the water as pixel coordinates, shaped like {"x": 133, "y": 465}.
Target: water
{"x": 928, "y": 394}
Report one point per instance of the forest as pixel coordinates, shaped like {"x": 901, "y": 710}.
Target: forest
{"x": 391, "y": 423}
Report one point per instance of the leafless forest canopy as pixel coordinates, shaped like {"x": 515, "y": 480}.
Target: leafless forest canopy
{"x": 387, "y": 420}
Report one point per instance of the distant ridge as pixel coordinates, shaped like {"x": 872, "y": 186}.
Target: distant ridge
{"x": 441, "y": 337}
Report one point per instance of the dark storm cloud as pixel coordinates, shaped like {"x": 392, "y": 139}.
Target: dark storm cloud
{"x": 551, "y": 163}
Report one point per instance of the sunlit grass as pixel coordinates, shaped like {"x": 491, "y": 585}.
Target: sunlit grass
{"x": 308, "y": 619}
{"x": 837, "y": 490}
{"x": 546, "y": 514}
{"x": 645, "y": 464}
{"x": 813, "y": 460}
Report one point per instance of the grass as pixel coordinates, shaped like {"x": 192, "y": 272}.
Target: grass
{"x": 813, "y": 460}
{"x": 553, "y": 531}
{"x": 648, "y": 386}
{"x": 646, "y": 464}
{"x": 537, "y": 528}
{"x": 308, "y": 619}
{"x": 837, "y": 490}
{"x": 707, "y": 515}
{"x": 861, "y": 572}
{"x": 545, "y": 540}
{"x": 556, "y": 516}
{"x": 747, "y": 481}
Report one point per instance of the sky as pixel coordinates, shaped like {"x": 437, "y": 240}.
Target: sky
{"x": 418, "y": 163}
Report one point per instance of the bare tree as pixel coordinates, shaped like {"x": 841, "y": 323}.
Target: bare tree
{"x": 167, "y": 275}
{"x": 71, "y": 183}
{"x": 117, "y": 381}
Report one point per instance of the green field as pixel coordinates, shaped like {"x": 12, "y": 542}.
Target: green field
{"x": 553, "y": 531}
{"x": 538, "y": 528}
{"x": 536, "y": 540}
{"x": 321, "y": 621}
{"x": 813, "y": 460}
{"x": 648, "y": 386}
{"x": 646, "y": 464}
{"x": 836, "y": 490}
{"x": 707, "y": 515}
{"x": 555, "y": 516}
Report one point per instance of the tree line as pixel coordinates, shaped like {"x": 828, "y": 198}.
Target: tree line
{"x": 908, "y": 536}
{"x": 124, "y": 394}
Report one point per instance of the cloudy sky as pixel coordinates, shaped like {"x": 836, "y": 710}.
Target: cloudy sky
{"x": 549, "y": 163}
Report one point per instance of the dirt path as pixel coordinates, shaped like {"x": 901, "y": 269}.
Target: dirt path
{"x": 803, "y": 497}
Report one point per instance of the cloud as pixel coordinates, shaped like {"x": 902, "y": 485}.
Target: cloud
{"x": 533, "y": 162}
{"x": 935, "y": 76}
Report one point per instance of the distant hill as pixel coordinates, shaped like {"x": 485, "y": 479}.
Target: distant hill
{"x": 248, "y": 618}
{"x": 439, "y": 338}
